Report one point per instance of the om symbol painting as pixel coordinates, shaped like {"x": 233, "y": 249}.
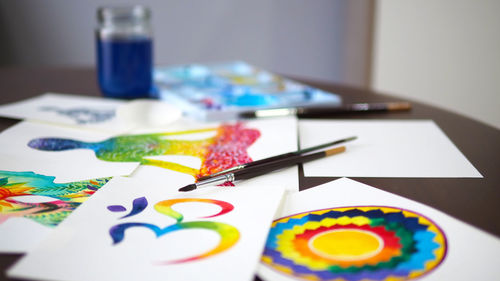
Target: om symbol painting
{"x": 229, "y": 235}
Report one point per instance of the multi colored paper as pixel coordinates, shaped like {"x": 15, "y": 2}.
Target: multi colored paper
{"x": 227, "y": 148}
{"x": 65, "y": 166}
{"x": 58, "y": 199}
{"x": 59, "y": 163}
{"x": 84, "y": 112}
{"x": 355, "y": 243}
{"x": 348, "y": 231}
{"x": 145, "y": 232}
{"x": 195, "y": 151}
{"x": 33, "y": 204}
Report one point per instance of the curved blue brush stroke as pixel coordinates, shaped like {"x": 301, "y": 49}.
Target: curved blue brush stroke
{"x": 138, "y": 205}
{"x": 117, "y": 232}
{"x": 116, "y": 208}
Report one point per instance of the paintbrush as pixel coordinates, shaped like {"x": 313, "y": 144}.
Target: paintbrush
{"x": 325, "y": 111}
{"x": 277, "y": 157}
{"x": 265, "y": 168}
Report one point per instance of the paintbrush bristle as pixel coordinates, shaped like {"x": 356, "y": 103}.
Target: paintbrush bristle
{"x": 188, "y": 187}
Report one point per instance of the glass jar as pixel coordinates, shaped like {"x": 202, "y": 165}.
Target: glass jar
{"x": 125, "y": 52}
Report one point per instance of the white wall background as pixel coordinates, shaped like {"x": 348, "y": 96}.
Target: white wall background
{"x": 322, "y": 39}
{"x": 442, "y": 52}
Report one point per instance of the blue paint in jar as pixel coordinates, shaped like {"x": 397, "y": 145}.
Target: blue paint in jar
{"x": 124, "y": 67}
{"x": 124, "y": 47}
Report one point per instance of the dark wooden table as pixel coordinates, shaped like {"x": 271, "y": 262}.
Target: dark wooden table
{"x": 475, "y": 201}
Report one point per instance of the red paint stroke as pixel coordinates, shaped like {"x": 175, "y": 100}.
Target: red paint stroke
{"x": 229, "y": 149}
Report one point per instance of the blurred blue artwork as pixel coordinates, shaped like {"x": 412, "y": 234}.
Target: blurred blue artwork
{"x": 220, "y": 91}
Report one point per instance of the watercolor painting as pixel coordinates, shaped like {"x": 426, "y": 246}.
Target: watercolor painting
{"x": 82, "y": 115}
{"x": 228, "y": 234}
{"x": 226, "y": 149}
{"x": 88, "y": 112}
{"x": 148, "y": 232}
{"x": 55, "y": 200}
{"x": 354, "y": 244}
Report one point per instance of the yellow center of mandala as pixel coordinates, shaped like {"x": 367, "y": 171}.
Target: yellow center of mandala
{"x": 346, "y": 244}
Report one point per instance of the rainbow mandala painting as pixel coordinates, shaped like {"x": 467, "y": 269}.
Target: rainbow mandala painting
{"x": 355, "y": 244}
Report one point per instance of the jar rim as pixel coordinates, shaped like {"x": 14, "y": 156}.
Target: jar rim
{"x": 123, "y": 14}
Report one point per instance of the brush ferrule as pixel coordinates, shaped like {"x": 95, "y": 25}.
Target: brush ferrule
{"x": 229, "y": 177}
{"x": 217, "y": 180}
{"x": 276, "y": 112}
{"x": 230, "y": 170}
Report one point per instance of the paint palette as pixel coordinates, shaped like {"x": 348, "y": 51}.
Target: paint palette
{"x": 221, "y": 91}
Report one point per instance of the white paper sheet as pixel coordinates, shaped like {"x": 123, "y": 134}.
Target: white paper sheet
{"x": 276, "y": 136}
{"x": 81, "y": 111}
{"x": 66, "y": 165}
{"x": 32, "y": 205}
{"x": 82, "y": 247}
{"x": 79, "y": 154}
{"x": 440, "y": 247}
{"x": 385, "y": 148}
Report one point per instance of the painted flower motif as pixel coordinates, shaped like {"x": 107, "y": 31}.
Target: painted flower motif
{"x": 37, "y": 197}
{"x": 355, "y": 243}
